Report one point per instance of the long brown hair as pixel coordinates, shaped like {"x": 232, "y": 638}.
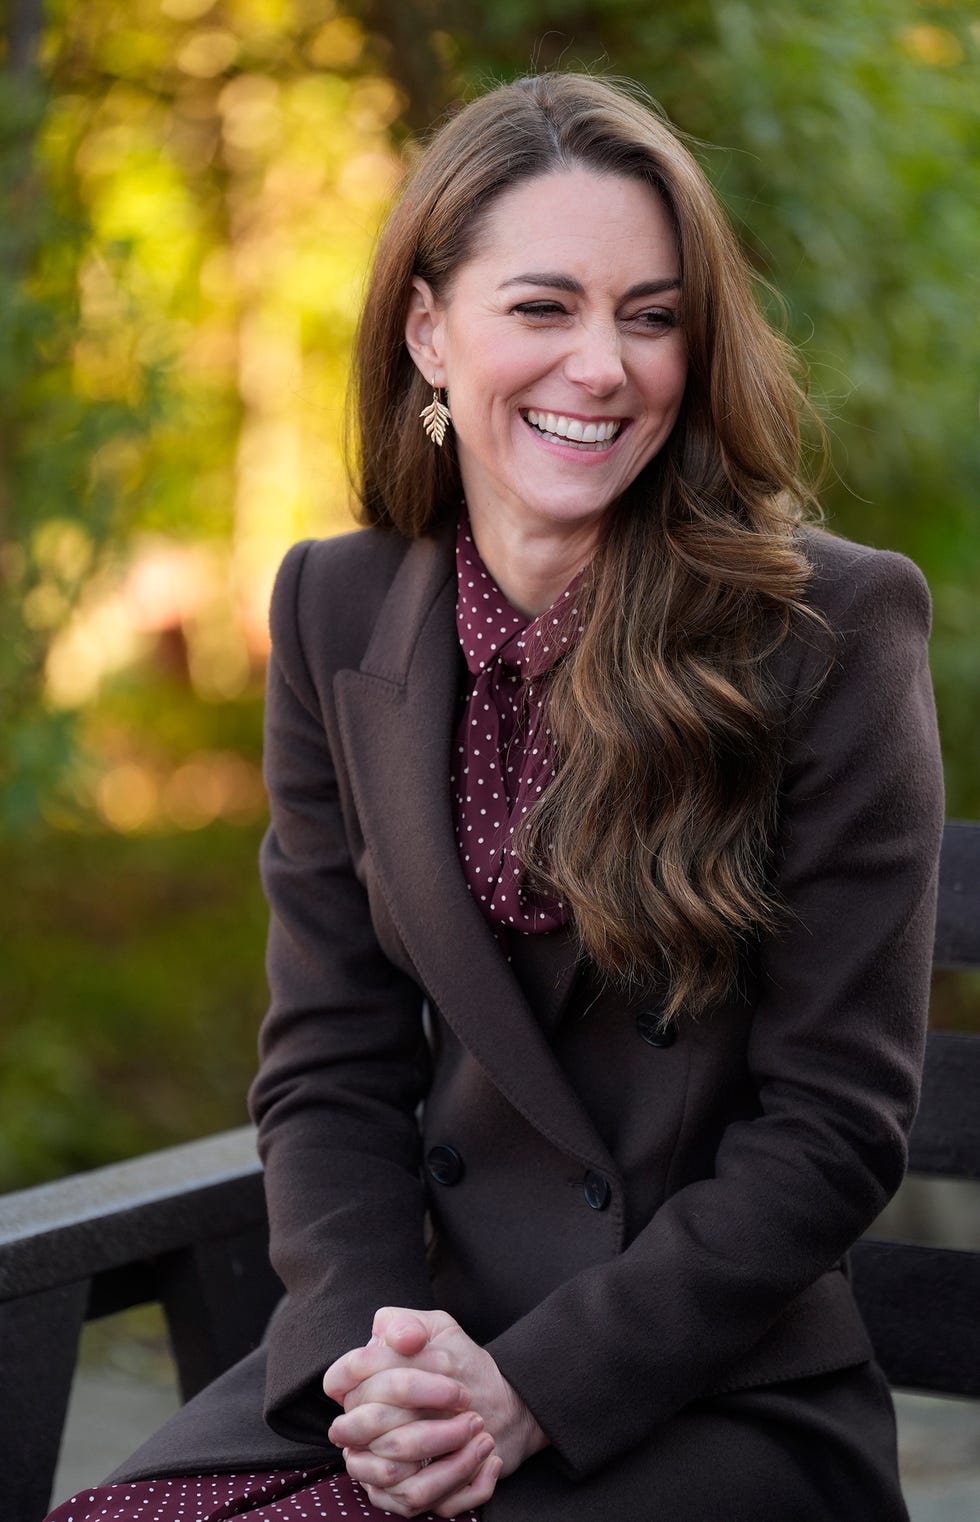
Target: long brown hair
{"x": 657, "y": 829}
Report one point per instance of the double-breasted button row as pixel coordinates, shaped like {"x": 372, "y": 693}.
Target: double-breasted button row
{"x": 649, "y": 1027}
{"x": 444, "y": 1164}
{"x": 446, "y": 1167}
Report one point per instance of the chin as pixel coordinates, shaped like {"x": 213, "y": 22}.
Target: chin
{"x": 569, "y": 514}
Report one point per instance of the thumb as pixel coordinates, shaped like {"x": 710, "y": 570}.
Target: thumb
{"x": 404, "y": 1331}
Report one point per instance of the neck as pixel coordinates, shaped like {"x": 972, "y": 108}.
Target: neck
{"x": 532, "y": 565}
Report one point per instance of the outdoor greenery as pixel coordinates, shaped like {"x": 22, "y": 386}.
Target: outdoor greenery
{"x": 189, "y": 192}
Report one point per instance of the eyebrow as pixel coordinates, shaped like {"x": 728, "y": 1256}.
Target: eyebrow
{"x": 558, "y": 282}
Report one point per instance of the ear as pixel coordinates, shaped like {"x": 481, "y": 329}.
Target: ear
{"x": 424, "y": 331}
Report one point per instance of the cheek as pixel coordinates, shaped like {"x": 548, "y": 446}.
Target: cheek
{"x": 493, "y": 370}
{"x": 672, "y": 378}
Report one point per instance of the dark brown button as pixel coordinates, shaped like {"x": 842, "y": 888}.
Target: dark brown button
{"x": 444, "y": 1164}
{"x": 597, "y": 1190}
{"x": 649, "y": 1027}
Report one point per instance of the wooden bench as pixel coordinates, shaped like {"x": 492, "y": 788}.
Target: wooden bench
{"x": 187, "y": 1227}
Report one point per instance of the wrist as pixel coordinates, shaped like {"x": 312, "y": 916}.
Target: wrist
{"x": 518, "y": 1434}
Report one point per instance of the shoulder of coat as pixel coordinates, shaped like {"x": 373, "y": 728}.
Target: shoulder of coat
{"x": 852, "y": 581}
{"x": 863, "y": 598}
{"x": 325, "y": 604}
{"x": 360, "y": 563}
{"x": 328, "y": 593}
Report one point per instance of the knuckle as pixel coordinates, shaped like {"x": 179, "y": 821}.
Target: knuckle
{"x": 413, "y": 1496}
{"x": 385, "y": 1502}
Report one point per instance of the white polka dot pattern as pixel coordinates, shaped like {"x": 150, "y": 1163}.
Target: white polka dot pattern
{"x": 504, "y": 756}
{"x": 282, "y": 1495}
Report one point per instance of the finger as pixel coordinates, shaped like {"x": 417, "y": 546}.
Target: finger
{"x": 388, "y": 1504}
{"x": 404, "y": 1331}
{"x": 359, "y": 1427}
{"x": 434, "y": 1322}
{"x": 386, "y": 1472}
{"x": 443, "y": 1477}
{"x": 411, "y": 1388}
{"x": 420, "y": 1440}
{"x": 477, "y": 1493}
{"x": 349, "y": 1371}
{"x": 346, "y": 1372}
{"x": 374, "y": 1426}
{"x": 368, "y": 1469}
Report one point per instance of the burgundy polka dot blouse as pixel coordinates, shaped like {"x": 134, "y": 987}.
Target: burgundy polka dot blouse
{"x": 284, "y": 1495}
{"x": 504, "y": 757}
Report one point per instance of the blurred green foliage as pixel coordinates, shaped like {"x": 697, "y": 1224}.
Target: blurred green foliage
{"x": 134, "y": 966}
{"x": 51, "y": 432}
{"x": 189, "y": 190}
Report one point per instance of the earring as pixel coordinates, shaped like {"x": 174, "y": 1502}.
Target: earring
{"x": 436, "y": 416}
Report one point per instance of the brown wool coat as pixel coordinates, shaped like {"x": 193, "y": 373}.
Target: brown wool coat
{"x": 733, "y": 1167}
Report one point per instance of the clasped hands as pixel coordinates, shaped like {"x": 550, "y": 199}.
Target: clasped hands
{"x": 429, "y": 1423}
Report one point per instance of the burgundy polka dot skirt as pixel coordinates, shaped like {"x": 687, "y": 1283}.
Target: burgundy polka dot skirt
{"x": 284, "y": 1495}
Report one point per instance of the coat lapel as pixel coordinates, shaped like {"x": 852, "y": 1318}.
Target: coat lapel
{"x": 397, "y": 717}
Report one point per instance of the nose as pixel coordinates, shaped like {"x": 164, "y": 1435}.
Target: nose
{"x": 595, "y": 360}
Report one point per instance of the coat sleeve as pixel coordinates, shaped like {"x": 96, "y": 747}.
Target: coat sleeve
{"x": 835, "y": 1052}
{"x": 343, "y": 1066}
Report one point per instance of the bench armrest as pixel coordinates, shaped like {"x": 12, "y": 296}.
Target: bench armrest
{"x": 185, "y": 1226}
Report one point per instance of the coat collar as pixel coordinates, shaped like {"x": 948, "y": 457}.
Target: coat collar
{"x": 397, "y": 716}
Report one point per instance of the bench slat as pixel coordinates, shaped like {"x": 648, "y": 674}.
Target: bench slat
{"x": 920, "y": 1305}
{"x": 946, "y": 1136}
{"x": 217, "y": 1298}
{"x": 129, "y": 1213}
{"x": 958, "y": 918}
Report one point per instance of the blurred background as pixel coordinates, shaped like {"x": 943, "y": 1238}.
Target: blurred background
{"x": 189, "y": 193}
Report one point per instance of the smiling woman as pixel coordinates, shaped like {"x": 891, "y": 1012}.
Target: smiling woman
{"x": 606, "y": 806}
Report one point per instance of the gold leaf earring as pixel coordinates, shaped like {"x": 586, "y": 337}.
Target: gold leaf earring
{"x": 436, "y": 416}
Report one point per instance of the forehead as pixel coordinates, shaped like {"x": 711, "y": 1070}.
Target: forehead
{"x": 576, "y": 222}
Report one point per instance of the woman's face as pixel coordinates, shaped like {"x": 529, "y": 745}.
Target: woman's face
{"x": 561, "y": 347}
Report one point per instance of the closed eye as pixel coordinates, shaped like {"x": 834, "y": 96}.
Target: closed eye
{"x": 540, "y": 309}
{"x": 656, "y": 318}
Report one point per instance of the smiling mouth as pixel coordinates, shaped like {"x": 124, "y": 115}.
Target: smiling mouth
{"x": 555, "y": 428}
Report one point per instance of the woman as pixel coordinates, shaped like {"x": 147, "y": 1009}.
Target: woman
{"x": 606, "y": 805}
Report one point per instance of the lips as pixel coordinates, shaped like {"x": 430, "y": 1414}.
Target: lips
{"x": 555, "y": 426}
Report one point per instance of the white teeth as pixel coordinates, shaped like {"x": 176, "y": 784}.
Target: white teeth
{"x": 574, "y": 429}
